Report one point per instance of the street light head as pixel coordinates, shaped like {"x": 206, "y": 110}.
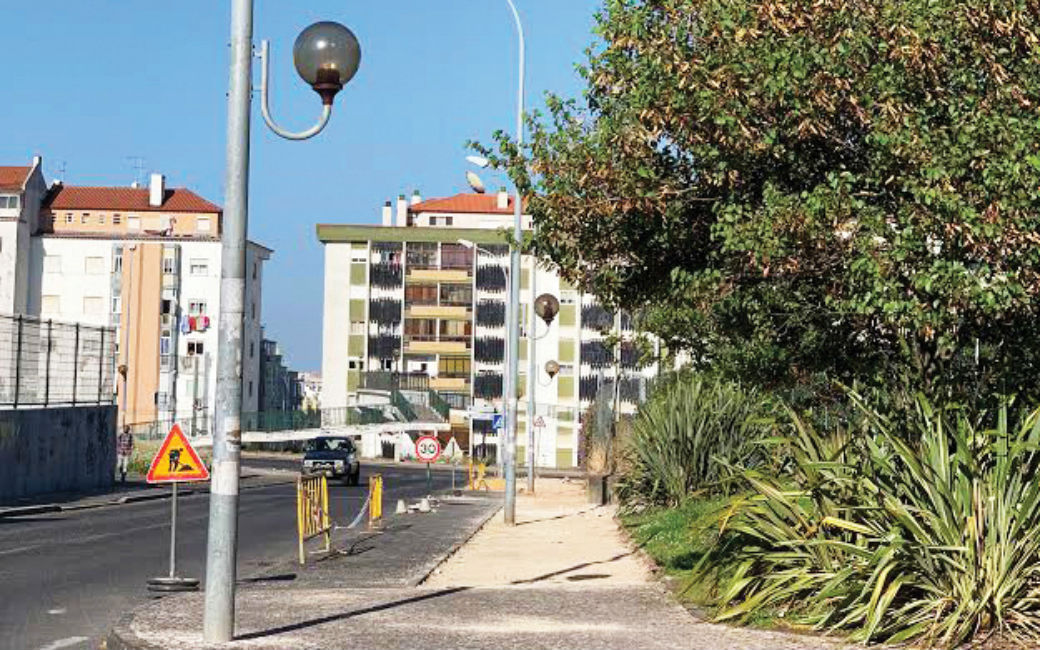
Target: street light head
{"x": 327, "y": 56}
{"x": 551, "y": 368}
{"x": 479, "y": 161}
{"x": 546, "y": 306}
{"x": 475, "y": 182}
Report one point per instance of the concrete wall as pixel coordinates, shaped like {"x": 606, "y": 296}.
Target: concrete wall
{"x": 56, "y": 449}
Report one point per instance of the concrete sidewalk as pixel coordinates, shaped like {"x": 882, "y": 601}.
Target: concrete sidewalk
{"x": 564, "y": 577}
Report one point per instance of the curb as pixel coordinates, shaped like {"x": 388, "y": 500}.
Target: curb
{"x": 121, "y": 638}
{"x": 24, "y": 511}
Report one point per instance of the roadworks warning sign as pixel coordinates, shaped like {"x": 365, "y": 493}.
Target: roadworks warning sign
{"x": 176, "y": 460}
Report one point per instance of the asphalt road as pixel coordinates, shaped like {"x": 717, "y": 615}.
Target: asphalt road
{"x": 65, "y": 578}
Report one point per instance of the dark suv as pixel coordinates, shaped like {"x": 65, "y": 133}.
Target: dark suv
{"x": 335, "y": 456}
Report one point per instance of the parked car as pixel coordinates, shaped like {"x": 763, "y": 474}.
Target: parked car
{"x": 335, "y": 456}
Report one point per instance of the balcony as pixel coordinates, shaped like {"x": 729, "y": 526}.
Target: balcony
{"x": 438, "y": 275}
{"x": 439, "y": 311}
{"x": 422, "y": 344}
{"x": 449, "y": 383}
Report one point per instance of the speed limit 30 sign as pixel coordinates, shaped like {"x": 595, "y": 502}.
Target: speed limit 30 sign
{"x": 428, "y": 449}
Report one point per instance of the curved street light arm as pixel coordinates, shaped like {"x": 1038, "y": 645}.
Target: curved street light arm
{"x": 326, "y": 109}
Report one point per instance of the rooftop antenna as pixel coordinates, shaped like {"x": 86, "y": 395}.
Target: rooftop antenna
{"x": 137, "y": 162}
{"x": 61, "y": 171}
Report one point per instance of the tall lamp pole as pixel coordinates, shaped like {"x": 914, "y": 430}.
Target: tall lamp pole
{"x": 513, "y": 354}
{"x": 326, "y": 55}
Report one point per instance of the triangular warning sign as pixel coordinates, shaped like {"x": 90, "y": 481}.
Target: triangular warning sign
{"x": 176, "y": 460}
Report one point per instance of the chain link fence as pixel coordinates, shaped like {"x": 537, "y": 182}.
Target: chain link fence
{"x": 52, "y": 363}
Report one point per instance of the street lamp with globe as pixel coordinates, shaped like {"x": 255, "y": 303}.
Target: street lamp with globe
{"x": 327, "y": 56}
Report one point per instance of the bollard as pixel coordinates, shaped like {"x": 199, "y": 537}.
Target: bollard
{"x": 424, "y": 505}
{"x": 375, "y": 500}
{"x": 401, "y": 507}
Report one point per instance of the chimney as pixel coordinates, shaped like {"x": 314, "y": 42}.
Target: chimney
{"x": 402, "y": 211}
{"x": 37, "y": 161}
{"x": 388, "y": 214}
{"x": 156, "y": 190}
{"x": 416, "y": 197}
{"x": 503, "y": 199}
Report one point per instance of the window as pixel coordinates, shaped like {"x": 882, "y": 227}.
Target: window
{"x": 253, "y": 310}
{"x": 164, "y": 344}
{"x": 9, "y": 201}
{"x": 420, "y": 327}
{"x": 456, "y": 256}
{"x": 256, "y": 265}
{"x": 117, "y": 259}
{"x": 250, "y": 388}
{"x": 420, "y": 294}
{"x": 101, "y": 219}
{"x": 68, "y": 217}
{"x": 252, "y": 349}
{"x": 168, "y": 265}
{"x": 92, "y": 304}
{"x": 202, "y": 224}
{"x": 196, "y": 306}
{"x": 117, "y": 304}
{"x": 117, "y": 219}
{"x": 52, "y": 263}
{"x": 166, "y": 306}
{"x": 133, "y": 223}
{"x": 388, "y": 364}
{"x": 568, "y": 297}
{"x": 84, "y": 218}
{"x": 454, "y": 367}
{"x": 357, "y": 327}
{"x": 94, "y": 265}
{"x": 456, "y": 294}
{"x": 195, "y": 347}
{"x": 456, "y": 328}
{"x": 199, "y": 267}
{"x": 422, "y": 255}
{"x": 449, "y": 221}
{"x": 51, "y": 305}
{"x": 165, "y": 362}
{"x": 359, "y": 254}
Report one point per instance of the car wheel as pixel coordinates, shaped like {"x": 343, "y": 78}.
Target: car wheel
{"x": 355, "y": 478}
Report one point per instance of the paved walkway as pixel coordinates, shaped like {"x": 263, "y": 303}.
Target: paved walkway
{"x": 562, "y": 578}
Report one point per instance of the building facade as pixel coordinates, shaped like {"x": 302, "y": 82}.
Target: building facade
{"x": 426, "y": 292}
{"x": 145, "y": 260}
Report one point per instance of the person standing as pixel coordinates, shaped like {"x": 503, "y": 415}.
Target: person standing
{"x": 124, "y": 448}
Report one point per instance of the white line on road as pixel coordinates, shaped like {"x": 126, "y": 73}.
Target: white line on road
{"x": 19, "y": 549}
{"x": 64, "y": 643}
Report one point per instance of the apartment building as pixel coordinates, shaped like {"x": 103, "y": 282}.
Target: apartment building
{"x": 145, "y": 260}
{"x": 426, "y": 292}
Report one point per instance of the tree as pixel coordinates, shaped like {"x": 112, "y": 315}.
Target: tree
{"x": 789, "y": 188}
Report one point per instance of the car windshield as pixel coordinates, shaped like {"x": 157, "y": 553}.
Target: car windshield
{"x": 332, "y": 444}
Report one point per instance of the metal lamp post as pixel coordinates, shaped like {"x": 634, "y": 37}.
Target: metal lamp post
{"x": 326, "y": 55}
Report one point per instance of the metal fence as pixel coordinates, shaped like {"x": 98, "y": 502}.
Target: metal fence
{"x": 52, "y": 363}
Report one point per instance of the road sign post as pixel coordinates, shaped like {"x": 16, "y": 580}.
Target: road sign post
{"x": 176, "y": 462}
{"x": 428, "y": 449}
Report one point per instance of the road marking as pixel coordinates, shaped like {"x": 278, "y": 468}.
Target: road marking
{"x": 56, "y": 611}
{"x": 64, "y": 643}
{"x": 19, "y": 549}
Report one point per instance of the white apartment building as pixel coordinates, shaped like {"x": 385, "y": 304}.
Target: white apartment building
{"x": 426, "y": 293}
{"x": 146, "y": 261}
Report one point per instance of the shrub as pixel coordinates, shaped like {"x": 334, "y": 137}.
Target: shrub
{"x": 687, "y": 438}
{"x": 924, "y": 529}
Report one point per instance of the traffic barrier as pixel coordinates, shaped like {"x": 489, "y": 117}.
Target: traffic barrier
{"x": 475, "y": 476}
{"x": 312, "y": 511}
{"x": 375, "y": 498}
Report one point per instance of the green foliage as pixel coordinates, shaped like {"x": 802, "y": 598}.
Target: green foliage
{"x": 924, "y": 529}
{"x": 687, "y": 437}
{"x": 846, "y": 187}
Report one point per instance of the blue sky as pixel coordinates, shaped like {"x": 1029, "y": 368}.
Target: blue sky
{"x": 90, "y": 83}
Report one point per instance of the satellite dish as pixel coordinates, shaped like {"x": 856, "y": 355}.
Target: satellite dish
{"x": 475, "y": 182}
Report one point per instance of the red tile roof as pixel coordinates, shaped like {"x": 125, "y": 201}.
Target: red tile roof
{"x": 13, "y": 178}
{"x": 71, "y": 197}
{"x": 468, "y": 203}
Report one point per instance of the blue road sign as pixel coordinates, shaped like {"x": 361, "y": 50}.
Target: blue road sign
{"x": 497, "y": 423}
